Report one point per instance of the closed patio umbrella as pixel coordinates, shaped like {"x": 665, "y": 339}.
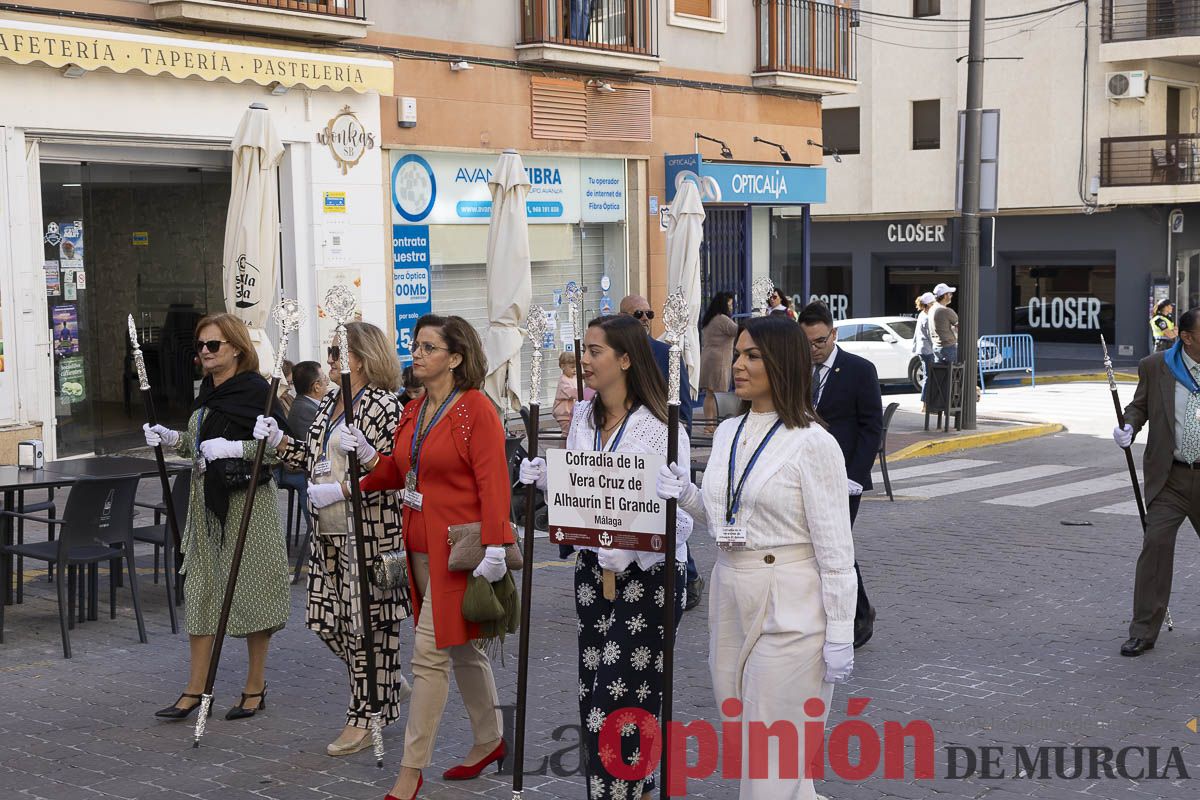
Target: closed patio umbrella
{"x": 685, "y": 230}
{"x": 251, "y": 253}
{"x": 509, "y": 283}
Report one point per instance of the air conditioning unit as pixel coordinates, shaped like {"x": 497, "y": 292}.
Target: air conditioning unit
{"x": 1125, "y": 85}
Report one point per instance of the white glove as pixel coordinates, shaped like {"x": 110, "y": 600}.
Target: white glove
{"x": 221, "y": 448}
{"x": 492, "y": 568}
{"x": 615, "y": 560}
{"x": 1123, "y": 436}
{"x": 534, "y": 472}
{"x": 674, "y": 483}
{"x": 158, "y": 435}
{"x": 325, "y": 494}
{"x": 267, "y": 428}
{"x": 839, "y": 661}
{"x": 353, "y": 440}
{"x": 856, "y": 488}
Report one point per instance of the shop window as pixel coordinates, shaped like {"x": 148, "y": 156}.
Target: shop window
{"x": 840, "y": 130}
{"x": 1064, "y": 303}
{"x": 704, "y": 15}
{"x": 926, "y": 124}
{"x": 926, "y": 8}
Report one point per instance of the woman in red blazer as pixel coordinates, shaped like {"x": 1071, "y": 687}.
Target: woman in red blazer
{"x": 449, "y": 463}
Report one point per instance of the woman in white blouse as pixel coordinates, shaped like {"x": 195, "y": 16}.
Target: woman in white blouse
{"x": 782, "y": 596}
{"x": 620, "y": 640}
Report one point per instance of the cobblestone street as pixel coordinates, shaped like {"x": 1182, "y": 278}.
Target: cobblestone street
{"x": 998, "y": 624}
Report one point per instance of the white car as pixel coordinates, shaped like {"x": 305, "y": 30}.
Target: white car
{"x": 887, "y": 343}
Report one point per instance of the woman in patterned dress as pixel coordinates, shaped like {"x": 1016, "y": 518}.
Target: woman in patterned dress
{"x": 449, "y": 460}
{"x": 620, "y": 640}
{"x": 218, "y": 436}
{"x": 333, "y": 604}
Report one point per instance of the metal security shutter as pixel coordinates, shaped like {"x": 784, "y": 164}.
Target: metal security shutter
{"x": 697, "y": 8}
{"x": 460, "y": 289}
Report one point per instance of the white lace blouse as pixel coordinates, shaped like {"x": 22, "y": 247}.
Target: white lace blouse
{"x": 796, "y": 494}
{"x": 644, "y": 433}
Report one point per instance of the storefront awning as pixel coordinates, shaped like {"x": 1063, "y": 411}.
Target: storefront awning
{"x": 756, "y": 184}
{"x": 26, "y": 42}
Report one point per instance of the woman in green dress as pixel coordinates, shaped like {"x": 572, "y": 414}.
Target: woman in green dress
{"x": 218, "y": 440}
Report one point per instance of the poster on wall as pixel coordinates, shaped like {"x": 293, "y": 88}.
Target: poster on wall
{"x": 411, "y": 284}
{"x": 71, "y": 384}
{"x": 70, "y": 248}
{"x": 53, "y": 279}
{"x": 64, "y": 323}
{"x": 327, "y": 279}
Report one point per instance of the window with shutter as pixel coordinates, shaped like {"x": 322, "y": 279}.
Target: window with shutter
{"x": 558, "y": 109}
{"x": 697, "y": 8}
{"x": 701, "y": 15}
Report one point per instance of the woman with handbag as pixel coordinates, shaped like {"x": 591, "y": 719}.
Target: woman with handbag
{"x": 333, "y": 605}
{"x": 218, "y": 440}
{"x": 783, "y": 591}
{"x": 448, "y": 459}
{"x": 620, "y": 640}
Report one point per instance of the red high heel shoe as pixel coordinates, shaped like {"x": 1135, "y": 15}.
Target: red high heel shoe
{"x": 420, "y": 780}
{"x": 465, "y": 772}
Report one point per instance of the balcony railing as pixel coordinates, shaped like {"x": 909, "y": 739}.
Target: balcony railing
{"x": 354, "y": 9}
{"x": 1131, "y": 20}
{"x": 625, "y": 26}
{"x": 1150, "y": 160}
{"x": 806, "y": 37}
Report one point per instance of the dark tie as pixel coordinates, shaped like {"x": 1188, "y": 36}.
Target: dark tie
{"x": 816, "y": 383}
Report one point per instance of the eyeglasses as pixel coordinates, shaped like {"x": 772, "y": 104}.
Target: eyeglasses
{"x": 213, "y": 345}
{"x": 815, "y": 343}
{"x": 334, "y": 353}
{"x": 646, "y": 314}
{"x": 426, "y": 349}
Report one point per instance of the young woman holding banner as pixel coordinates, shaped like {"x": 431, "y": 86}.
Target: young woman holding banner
{"x": 783, "y": 591}
{"x": 620, "y": 640}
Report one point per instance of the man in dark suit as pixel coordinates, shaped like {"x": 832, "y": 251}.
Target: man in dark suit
{"x": 846, "y": 396}
{"x": 1167, "y": 397}
{"x": 638, "y": 307}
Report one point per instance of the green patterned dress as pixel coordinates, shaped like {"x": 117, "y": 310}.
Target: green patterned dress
{"x": 261, "y": 601}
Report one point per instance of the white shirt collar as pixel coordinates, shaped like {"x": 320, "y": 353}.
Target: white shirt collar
{"x": 832, "y": 357}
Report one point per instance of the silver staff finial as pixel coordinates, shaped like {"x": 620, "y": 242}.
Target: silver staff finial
{"x": 339, "y": 305}
{"x": 760, "y": 290}
{"x": 139, "y": 361}
{"x": 288, "y": 316}
{"x": 675, "y": 319}
{"x": 536, "y": 328}
{"x": 1108, "y": 365}
{"x": 575, "y": 308}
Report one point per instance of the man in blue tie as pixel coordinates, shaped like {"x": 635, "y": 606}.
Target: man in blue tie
{"x": 846, "y": 395}
{"x": 638, "y": 307}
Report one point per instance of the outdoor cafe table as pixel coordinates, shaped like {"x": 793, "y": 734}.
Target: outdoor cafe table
{"x": 57, "y": 474}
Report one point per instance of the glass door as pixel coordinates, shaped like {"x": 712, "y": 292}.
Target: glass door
{"x": 132, "y": 239}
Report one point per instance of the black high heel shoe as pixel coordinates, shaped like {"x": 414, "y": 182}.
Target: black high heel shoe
{"x": 241, "y": 712}
{"x": 173, "y": 711}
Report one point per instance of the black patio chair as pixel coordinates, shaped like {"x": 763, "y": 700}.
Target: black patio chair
{"x": 888, "y": 413}
{"x": 96, "y": 527}
{"x": 32, "y": 508}
{"x": 159, "y": 535}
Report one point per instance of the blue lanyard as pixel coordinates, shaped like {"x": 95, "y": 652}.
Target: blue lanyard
{"x": 329, "y": 426}
{"x": 615, "y": 440}
{"x": 733, "y": 499}
{"x": 418, "y": 441}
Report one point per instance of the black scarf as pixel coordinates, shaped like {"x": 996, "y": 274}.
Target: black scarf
{"x": 230, "y": 411}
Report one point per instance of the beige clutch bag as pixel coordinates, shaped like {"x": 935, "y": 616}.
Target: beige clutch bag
{"x": 466, "y": 548}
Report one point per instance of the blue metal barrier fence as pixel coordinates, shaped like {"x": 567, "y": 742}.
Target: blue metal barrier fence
{"x": 1007, "y": 352}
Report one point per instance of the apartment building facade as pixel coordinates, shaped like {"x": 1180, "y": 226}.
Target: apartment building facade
{"x": 115, "y": 163}
{"x": 1096, "y": 106}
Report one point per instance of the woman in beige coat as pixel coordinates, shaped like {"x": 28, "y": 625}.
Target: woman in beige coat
{"x": 718, "y": 330}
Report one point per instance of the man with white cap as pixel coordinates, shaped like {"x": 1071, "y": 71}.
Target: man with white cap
{"x": 943, "y": 325}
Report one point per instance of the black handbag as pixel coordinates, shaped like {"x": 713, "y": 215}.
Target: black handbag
{"x": 234, "y": 473}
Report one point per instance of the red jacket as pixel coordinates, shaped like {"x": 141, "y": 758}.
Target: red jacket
{"x": 464, "y": 478}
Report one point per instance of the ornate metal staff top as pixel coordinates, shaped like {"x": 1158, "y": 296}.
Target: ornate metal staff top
{"x": 1108, "y": 365}
{"x": 760, "y": 290}
{"x": 675, "y": 318}
{"x": 536, "y": 328}
{"x": 339, "y": 305}
{"x": 288, "y": 316}
{"x": 139, "y": 362}
{"x": 575, "y": 308}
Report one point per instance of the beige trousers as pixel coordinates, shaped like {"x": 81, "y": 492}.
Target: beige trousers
{"x": 766, "y": 639}
{"x": 431, "y": 682}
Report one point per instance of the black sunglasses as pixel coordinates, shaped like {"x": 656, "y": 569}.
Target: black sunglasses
{"x": 213, "y": 345}
{"x": 334, "y": 353}
{"x": 640, "y": 314}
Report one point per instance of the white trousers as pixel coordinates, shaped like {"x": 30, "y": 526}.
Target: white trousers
{"x": 766, "y": 627}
